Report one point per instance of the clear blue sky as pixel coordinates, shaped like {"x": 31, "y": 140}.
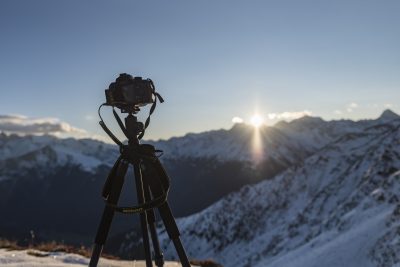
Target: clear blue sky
{"x": 211, "y": 60}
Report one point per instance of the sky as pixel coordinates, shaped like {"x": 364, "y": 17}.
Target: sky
{"x": 212, "y": 61}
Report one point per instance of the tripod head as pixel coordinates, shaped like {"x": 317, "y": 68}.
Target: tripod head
{"x": 133, "y": 128}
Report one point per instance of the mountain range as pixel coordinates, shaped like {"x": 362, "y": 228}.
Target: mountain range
{"x": 231, "y": 189}
{"x": 339, "y": 207}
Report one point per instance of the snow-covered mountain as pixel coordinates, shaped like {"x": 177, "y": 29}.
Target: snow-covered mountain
{"x": 281, "y": 142}
{"x": 341, "y": 207}
{"x": 25, "y": 152}
{"x": 56, "y": 183}
{"x": 284, "y": 142}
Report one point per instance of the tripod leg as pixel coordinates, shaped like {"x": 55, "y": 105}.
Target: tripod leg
{"x": 157, "y": 178}
{"x": 143, "y": 216}
{"x": 173, "y": 232}
{"x": 116, "y": 181}
{"x": 151, "y": 219}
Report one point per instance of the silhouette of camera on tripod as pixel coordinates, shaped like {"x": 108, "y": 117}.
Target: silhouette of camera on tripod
{"x": 152, "y": 182}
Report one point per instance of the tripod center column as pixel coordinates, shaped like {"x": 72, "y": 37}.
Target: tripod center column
{"x": 133, "y": 129}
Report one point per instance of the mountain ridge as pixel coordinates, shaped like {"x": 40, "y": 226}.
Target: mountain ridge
{"x": 72, "y": 171}
{"x": 354, "y": 179}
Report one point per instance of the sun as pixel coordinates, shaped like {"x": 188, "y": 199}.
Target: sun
{"x": 256, "y": 120}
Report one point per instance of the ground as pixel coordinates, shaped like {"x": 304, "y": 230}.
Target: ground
{"x": 34, "y": 258}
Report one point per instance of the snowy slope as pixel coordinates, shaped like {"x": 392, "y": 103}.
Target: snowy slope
{"x": 21, "y": 258}
{"x": 341, "y": 208}
{"x": 19, "y": 153}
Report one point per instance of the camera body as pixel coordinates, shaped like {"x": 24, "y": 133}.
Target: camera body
{"x": 128, "y": 93}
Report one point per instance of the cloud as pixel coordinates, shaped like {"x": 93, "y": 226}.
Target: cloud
{"x": 338, "y": 112}
{"x": 237, "y": 120}
{"x": 351, "y": 106}
{"x": 289, "y": 115}
{"x": 388, "y": 105}
{"x": 23, "y": 125}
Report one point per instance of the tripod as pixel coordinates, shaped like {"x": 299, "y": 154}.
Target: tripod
{"x": 152, "y": 185}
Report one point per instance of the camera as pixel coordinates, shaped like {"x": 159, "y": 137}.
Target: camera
{"x": 128, "y": 93}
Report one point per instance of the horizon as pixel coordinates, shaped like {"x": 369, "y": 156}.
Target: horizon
{"x": 59, "y": 129}
{"x": 214, "y": 63}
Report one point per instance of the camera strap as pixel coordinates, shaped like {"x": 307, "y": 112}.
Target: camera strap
{"x": 119, "y": 121}
{"x": 158, "y": 200}
{"x": 108, "y": 131}
{"x": 158, "y": 97}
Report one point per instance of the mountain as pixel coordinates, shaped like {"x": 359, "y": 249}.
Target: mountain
{"x": 340, "y": 207}
{"x": 306, "y": 134}
{"x": 52, "y": 185}
{"x": 388, "y": 115}
{"x": 26, "y": 152}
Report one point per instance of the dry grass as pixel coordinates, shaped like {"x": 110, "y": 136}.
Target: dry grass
{"x": 205, "y": 263}
{"x": 10, "y": 245}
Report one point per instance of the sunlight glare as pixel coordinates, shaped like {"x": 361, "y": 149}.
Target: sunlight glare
{"x": 257, "y": 145}
{"x": 256, "y": 120}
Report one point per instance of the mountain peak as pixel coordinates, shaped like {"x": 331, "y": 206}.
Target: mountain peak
{"x": 312, "y": 119}
{"x": 388, "y": 115}
{"x": 307, "y": 121}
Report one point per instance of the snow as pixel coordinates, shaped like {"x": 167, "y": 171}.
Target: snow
{"x": 21, "y": 258}
{"x": 282, "y": 142}
{"x": 350, "y": 248}
{"x": 341, "y": 207}
{"x": 37, "y": 151}
{"x": 338, "y": 208}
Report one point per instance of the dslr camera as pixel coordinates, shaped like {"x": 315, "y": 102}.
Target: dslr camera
{"x": 128, "y": 93}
